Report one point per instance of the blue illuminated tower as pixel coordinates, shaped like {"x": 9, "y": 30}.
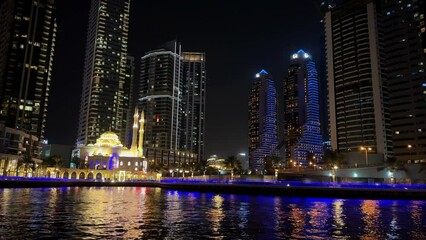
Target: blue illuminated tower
{"x": 303, "y": 140}
{"x": 262, "y": 120}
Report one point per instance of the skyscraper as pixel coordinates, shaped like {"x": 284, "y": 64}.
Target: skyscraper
{"x": 128, "y": 100}
{"x": 104, "y": 76}
{"x": 303, "y": 140}
{"x": 358, "y": 96}
{"x": 405, "y": 52}
{"x": 193, "y": 102}
{"x": 262, "y": 120}
{"x": 160, "y": 96}
{"x": 27, "y": 41}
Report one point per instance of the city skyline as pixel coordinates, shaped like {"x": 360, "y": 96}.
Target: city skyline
{"x": 230, "y": 59}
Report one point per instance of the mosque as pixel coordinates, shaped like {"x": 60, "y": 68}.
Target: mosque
{"x": 108, "y": 153}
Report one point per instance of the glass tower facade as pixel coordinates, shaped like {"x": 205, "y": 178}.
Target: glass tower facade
{"x": 27, "y": 42}
{"x": 193, "y": 102}
{"x": 303, "y": 140}
{"x": 104, "y": 77}
{"x": 160, "y": 94}
{"x": 262, "y": 120}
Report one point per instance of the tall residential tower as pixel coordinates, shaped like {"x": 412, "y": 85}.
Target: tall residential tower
{"x": 160, "y": 96}
{"x": 262, "y": 121}
{"x": 405, "y": 51}
{"x": 104, "y": 77}
{"x": 358, "y": 96}
{"x": 303, "y": 140}
{"x": 27, "y": 42}
{"x": 193, "y": 102}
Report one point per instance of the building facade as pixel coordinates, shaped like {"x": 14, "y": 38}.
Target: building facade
{"x": 27, "y": 42}
{"x": 193, "y": 103}
{"x": 405, "y": 52}
{"x": 160, "y": 96}
{"x": 15, "y": 146}
{"x": 303, "y": 140}
{"x": 262, "y": 121}
{"x": 358, "y": 97}
{"x": 61, "y": 150}
{"x": 128, "y": 101}
{"x": 103, "y": 98}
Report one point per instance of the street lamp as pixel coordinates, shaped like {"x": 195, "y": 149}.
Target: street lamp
{"x": 366, "y": 149}
{"x": 409, "y": 148}
{"x": 334, "y": 172}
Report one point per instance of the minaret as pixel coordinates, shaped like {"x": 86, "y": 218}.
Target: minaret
{"x": 141, "y": 130}
{"x": 135, "y": 131}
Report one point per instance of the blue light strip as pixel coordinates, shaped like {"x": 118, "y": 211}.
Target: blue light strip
{"x": 267, "y": 116}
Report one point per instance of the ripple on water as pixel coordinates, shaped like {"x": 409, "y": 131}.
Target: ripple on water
{"x": 147, "y": 213}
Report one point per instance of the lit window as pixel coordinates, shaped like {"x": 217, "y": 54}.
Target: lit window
{"x": 121, "y": 163}
{"x": 136, "y": 163}
{"x": 128, "y": 163}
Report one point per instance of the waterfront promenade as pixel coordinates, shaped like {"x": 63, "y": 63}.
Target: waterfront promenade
{"x": 272, "y": 188}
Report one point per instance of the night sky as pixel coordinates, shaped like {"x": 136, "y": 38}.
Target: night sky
{"x": 240, "y": 38}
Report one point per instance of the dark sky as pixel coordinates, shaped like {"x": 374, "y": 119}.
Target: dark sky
{"x": 239, "y": 37}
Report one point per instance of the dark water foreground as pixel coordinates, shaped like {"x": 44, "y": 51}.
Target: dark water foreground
{"x": 155, "y": 213}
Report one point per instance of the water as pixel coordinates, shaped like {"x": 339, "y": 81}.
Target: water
{"x": 154, "y": 213}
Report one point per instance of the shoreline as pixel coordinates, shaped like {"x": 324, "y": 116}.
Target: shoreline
{"x": 332, "y": 191}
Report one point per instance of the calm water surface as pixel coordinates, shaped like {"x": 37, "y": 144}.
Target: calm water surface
{"x": 153, "y": 213}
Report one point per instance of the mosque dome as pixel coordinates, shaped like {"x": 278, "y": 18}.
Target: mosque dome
{"x": 108, "y": 139}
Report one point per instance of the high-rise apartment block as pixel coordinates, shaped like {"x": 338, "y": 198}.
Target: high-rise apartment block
{"x": 128, "y": 100}
{"x": 262, "y": 121}
{"x": 193, "y": 102}
{"x": 303, "y": 140}
{"x": 103, "y": 98}
{"x": 405, "y": 52}
{"x": 358, "y": 95}
{"x": 27, "y": 42}
{"x": 160, "y": 96}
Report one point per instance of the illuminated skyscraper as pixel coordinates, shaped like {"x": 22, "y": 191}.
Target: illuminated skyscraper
{"x": 104, "y": 77}
{"x": 193, "y": 102}
{"x": 160, "y": 96}
{"x": 27, "y": 41}
{"x": 405, "y": 52}
{"x": 128, "y": 100}
{"x": 358, "y": 96}
{"x": 262, "y": 120}
{"x": 303, "y": 140}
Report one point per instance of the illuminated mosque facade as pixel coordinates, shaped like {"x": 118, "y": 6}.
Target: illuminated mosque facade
{"x": 108, "y": 153}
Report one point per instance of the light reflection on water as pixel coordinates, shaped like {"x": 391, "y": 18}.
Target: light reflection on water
{"x": 154, "y": 213}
